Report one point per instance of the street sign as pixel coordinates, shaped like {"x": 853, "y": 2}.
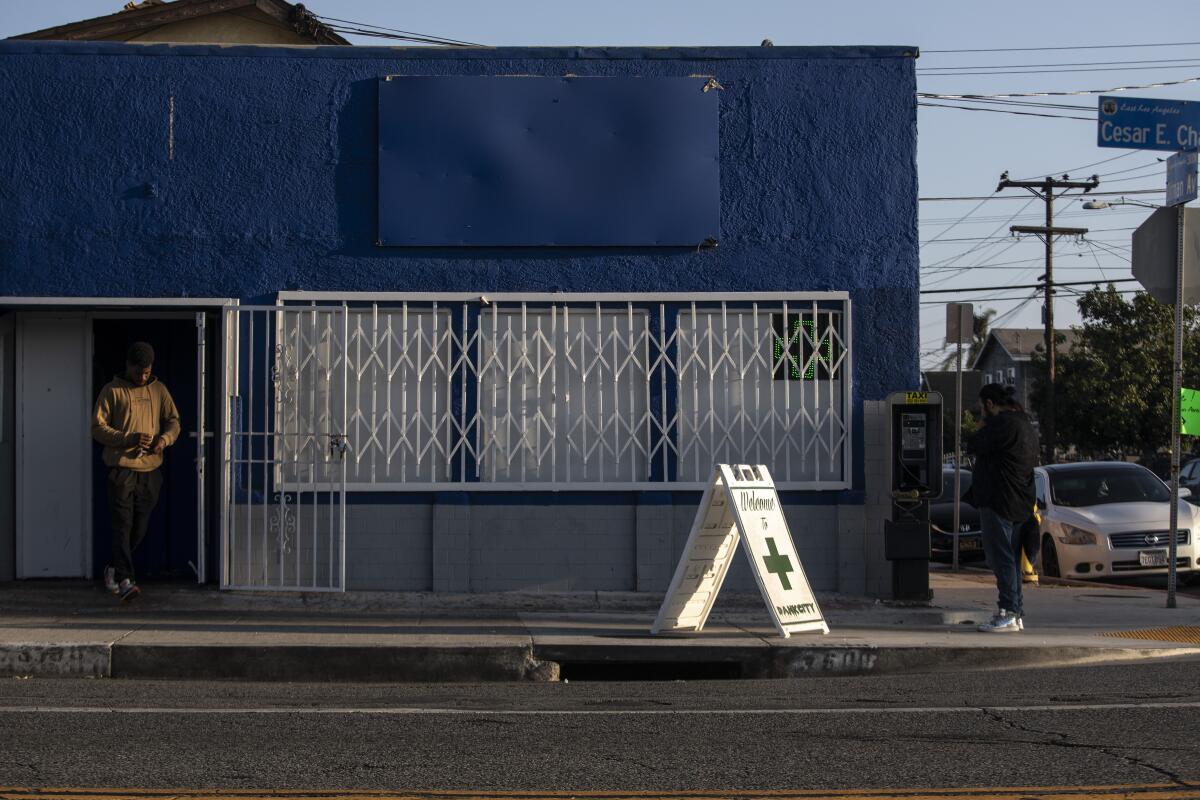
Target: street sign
{"x": 960, "y": 323}
{"x": 1140, "y": 123}
{"x": 1156, "y": 253}
{"x": 740, "y": 505}
{"x": 1181, "y": 178}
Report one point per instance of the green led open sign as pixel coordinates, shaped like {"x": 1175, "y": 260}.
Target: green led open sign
{"x": 799, "y": 349}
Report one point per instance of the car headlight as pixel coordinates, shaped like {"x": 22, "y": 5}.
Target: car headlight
{"x": 1072, "y": 535}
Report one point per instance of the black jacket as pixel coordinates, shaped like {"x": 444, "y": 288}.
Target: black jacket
{"x": 1006, "y": 451}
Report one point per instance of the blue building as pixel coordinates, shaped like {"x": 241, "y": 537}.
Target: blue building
{"x": 453, "y": 319}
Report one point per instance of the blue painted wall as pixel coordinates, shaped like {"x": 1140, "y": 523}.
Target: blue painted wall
{"x": 269, "y": 179}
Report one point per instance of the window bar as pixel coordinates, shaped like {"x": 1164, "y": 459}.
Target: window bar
{"x": 341, "y": 497}
{"x": 495, "y": 389}
{"x": 318, "y": 435}
{"x": 567, "y": 361}
{"x": 524, "y": 367}
{"x": 631, "y": 349}
{"x": 539, "y": 359}
{"x": 266, "y": 457}
{"x": 756, "y": 340}
{"x": 713, "y": 368}
{"x": 426, "y": 368}
{"x": 829, "y": 368}
{"x": 597, "y": 365}
{"x": 293, "y": 430}
{"x": 816, "y": 373}
{"x": 554, "y": 348}
{"x": 663, "y": 351}
{"x": 306, "y": 423}
{"x": 392, "y": 368}
{"x": 742, "y": 366}
{"x": 788, "y": 414}
{"x": 374, "y": 427}
{"x": 274, "y": 460}
{"x": 249, "y": 427}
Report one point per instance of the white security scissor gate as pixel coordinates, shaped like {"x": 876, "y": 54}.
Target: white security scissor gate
{"x": 284, "y": 449}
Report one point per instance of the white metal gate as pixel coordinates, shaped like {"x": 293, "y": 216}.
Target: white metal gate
{"x": 284, "y": 449}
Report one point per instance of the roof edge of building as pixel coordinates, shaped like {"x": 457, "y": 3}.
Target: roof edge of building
{"x": 15, "y": 46}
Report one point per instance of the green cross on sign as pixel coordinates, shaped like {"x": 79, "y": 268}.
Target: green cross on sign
{"x": 778, "y": 565}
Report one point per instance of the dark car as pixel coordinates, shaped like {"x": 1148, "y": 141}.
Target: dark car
{"x": 941, "y": 518}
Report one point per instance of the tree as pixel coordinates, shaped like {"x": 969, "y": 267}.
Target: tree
{"x": 1114, "y": 383}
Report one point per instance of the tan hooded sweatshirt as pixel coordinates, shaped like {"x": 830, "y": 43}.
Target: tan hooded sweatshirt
{"x": 124, "y": 410}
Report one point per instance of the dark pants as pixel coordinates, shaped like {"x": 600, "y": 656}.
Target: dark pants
{"x": 131, "y": 497}
{"x": 1002, "y": 545}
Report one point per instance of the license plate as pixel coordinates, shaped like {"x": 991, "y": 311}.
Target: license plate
{"x": 968, "y": 544}
{"x": 1152, "y": 558}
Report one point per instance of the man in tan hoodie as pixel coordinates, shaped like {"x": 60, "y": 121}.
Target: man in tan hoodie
{"x": 135, "y": 419}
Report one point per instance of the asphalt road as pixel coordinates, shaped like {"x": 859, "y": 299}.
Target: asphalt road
{"x": 1111, "y": 725}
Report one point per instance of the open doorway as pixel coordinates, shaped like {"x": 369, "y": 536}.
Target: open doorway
{"x": 169, "y": 551}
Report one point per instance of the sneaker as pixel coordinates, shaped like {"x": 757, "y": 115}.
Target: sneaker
{"x": 128, "y": 590}
{"x": 1002, "y": 622}
{"x": 1020, "y": 623}
{"x": 110, "y": 580}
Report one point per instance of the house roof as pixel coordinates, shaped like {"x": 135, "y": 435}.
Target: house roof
{"x": 141, "y": 17}
{"x": 1019, "y": 343}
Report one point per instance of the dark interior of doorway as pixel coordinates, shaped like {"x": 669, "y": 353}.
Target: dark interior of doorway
{"x": 169, "y": 550}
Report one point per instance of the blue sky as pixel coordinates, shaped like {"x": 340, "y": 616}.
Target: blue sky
{"x": 961, "y": 153}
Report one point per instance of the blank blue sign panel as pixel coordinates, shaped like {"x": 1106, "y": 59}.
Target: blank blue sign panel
{"x": 519, "y": 161}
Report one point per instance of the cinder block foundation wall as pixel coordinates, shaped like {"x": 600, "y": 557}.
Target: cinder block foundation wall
{"x": 463, "y": 543}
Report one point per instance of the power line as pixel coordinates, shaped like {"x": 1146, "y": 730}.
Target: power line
{"x": 1021, "y": 197}
{"x": 1021, "y": 286}
{"x": 1158, "y": 85}
{"x": 1093, "y": 164}
{"x": 1058, "y": 64}
{"x": 1018, "y": 103}
{"x": 1072, "y": 47}
{"x": 955, "y": 223}
{"x": 1014, "y": 299}
{"x": 978, "y": 246}
{"x": 1006, "y": 111}
{"x": 361, "y": 28}
{"x": 1192, "y": 65}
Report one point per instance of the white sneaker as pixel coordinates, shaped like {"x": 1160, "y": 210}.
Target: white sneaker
{"x": 1020, "y": 623}
{"x": 110, "y": 580}
{"x": 1002, "y": 622}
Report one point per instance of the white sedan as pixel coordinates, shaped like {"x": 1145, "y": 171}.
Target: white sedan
{"x": 1108, "y": 519}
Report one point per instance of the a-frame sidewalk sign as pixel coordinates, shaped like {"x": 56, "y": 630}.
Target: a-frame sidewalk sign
{"x": 740, "y": 505}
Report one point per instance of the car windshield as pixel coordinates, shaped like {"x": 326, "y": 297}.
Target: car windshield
{"x": 1100, "y": 486}
{"x": 947, "y": 495}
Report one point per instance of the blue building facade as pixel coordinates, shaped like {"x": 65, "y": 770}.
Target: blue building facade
{"x": 452, "y": 415}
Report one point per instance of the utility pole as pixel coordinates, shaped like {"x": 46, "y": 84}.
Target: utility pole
{"x": 1044, "y": 190}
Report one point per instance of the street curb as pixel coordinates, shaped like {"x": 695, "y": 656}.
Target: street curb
{"x": 546, "y": 663}
{"x": 792, "y": 661}
{"x": 540, "y": 663}
{"x": 352, "y": 664}
{"x": 49, "y": 659}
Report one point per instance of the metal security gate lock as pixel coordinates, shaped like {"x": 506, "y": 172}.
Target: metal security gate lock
{"x": 338, "y": 445}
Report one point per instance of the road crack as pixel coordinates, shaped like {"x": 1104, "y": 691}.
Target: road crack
{"x": 1064, "y": 740}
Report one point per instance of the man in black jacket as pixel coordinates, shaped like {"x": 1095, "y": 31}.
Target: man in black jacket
{"x": 1006, "y": 451}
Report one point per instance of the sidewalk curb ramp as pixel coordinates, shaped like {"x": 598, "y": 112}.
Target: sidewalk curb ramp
{"x": 424, "y": 664}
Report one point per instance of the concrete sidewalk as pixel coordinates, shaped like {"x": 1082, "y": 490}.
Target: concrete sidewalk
{"x": 75, "y": 629}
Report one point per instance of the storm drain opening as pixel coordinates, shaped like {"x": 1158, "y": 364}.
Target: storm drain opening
{"x": 650, "y": 670}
